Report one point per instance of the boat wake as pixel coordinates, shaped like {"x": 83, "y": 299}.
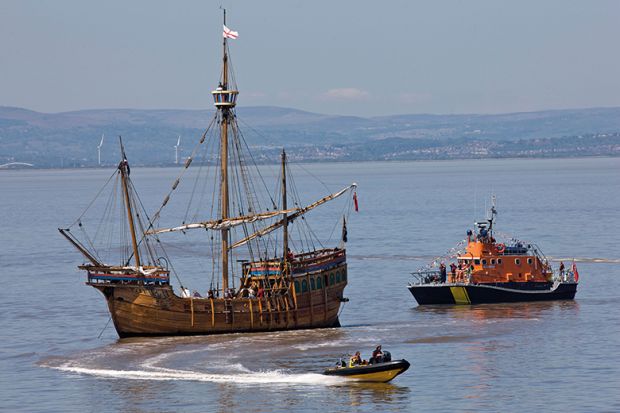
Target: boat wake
{"x": 151, "y": 369}
{"x": 274, "y": 377}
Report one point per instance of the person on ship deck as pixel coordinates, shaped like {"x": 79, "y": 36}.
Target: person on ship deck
{"x": 442, "y": 272}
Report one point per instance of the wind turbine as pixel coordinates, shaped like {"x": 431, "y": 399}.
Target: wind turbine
{"x": 99, "y": 149}
{"x": 176, "y": 150}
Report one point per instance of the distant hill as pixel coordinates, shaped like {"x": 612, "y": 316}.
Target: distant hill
{"x": 71, "y": 138}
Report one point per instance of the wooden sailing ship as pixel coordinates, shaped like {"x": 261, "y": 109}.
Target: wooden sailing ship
{"x": 277, "y": 290}
{"x": 489, "y": 271}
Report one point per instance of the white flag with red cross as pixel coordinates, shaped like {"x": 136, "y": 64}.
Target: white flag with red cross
{"x": 230, "y": 34}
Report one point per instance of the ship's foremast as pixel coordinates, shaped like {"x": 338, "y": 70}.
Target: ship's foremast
{"x": 124, "y": 170}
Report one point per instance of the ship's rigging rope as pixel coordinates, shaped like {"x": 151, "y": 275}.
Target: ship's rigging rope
{"x": 144, "y": 239}
{"x": 303, "y": 229}
{"x": 93, "y": 200}
{"x": 306, "y": 235}
{"x": 111, "y": 230}
{"x": 108, "y": 213}
{"x": 347, "y": 208}
{"x": 176, "y": 183}
{"x": 451, "y": 253}
{"x": 202, "y": 166}
{"x": 292, "y": 217}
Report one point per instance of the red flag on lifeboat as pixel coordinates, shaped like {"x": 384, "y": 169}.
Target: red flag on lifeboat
{"x": 575, "y": 272}
{"x": 355, "y": 201}
{"x": 229, "y": 34}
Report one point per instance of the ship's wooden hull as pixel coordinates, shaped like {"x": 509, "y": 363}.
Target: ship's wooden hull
{"x": 456, "y": 293}
{"x": 155, "y": 310}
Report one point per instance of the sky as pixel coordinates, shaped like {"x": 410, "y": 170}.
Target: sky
{"x": 344, "y": 57}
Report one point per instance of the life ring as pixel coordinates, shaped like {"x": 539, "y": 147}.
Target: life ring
{"x": 501, "y": 248}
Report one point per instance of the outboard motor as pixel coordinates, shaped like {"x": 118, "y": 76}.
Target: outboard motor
{"x": 387, "y": 356}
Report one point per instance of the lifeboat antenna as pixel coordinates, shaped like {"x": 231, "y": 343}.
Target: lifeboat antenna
{"x": 492, "y": 213}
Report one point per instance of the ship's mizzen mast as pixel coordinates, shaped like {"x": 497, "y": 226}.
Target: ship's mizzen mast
{"x": 285, "y": 218}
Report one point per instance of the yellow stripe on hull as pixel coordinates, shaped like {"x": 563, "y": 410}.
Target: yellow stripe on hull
{"x": 460, "y": 295}
{"x": 379, "y": 377}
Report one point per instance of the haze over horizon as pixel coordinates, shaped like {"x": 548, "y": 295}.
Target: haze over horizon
{"x": 342, "y": 58}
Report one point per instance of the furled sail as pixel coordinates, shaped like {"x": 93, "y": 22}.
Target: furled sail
{"x": 220, "y": 224}
{"x": 292, "y": 217}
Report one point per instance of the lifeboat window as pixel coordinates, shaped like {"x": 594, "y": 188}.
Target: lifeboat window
{"x": 484, "y": 262}
{"x": 331, "y": 279}
{"x": 326, "y": 281}
{"x": 319, "y": 283}
{"x": 312, "y": 286}
{"x": 304, "y": 286}
{"x": 297, "y": 287}
{"x": 492, "y": 261}
{"x": 517, "y": 261}
{"x": 499, "y": 260}
{"x": 477, "y": 262}
{"x": 338, "y": 276}
{"x": 529, "y": 261}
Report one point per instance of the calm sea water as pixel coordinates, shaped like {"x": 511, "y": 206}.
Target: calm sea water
{"x": 554, "y": 356}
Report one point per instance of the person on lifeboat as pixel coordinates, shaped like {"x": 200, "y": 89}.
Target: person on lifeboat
{"x": 377, "y": 356}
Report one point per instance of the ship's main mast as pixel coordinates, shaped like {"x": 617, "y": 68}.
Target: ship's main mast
{"x": 225, "y": 101}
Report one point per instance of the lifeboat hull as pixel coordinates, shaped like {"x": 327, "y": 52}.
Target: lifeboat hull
{"x": 375, "y": 373}
{"x": 465, "y": 294}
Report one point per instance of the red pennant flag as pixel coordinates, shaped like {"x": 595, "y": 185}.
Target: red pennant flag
{"x": 355, "y": 201}
{"x": 575, "y": 272}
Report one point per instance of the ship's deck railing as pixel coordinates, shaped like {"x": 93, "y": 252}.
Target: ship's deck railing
{"x": 274, "y": 289}
{"x": 427, "y": 276}
{"x": 99, "y": 274}
{"x": 567, "y": 276}
{"x": 434, "y": 277}
{"x": 303, "y": 262}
